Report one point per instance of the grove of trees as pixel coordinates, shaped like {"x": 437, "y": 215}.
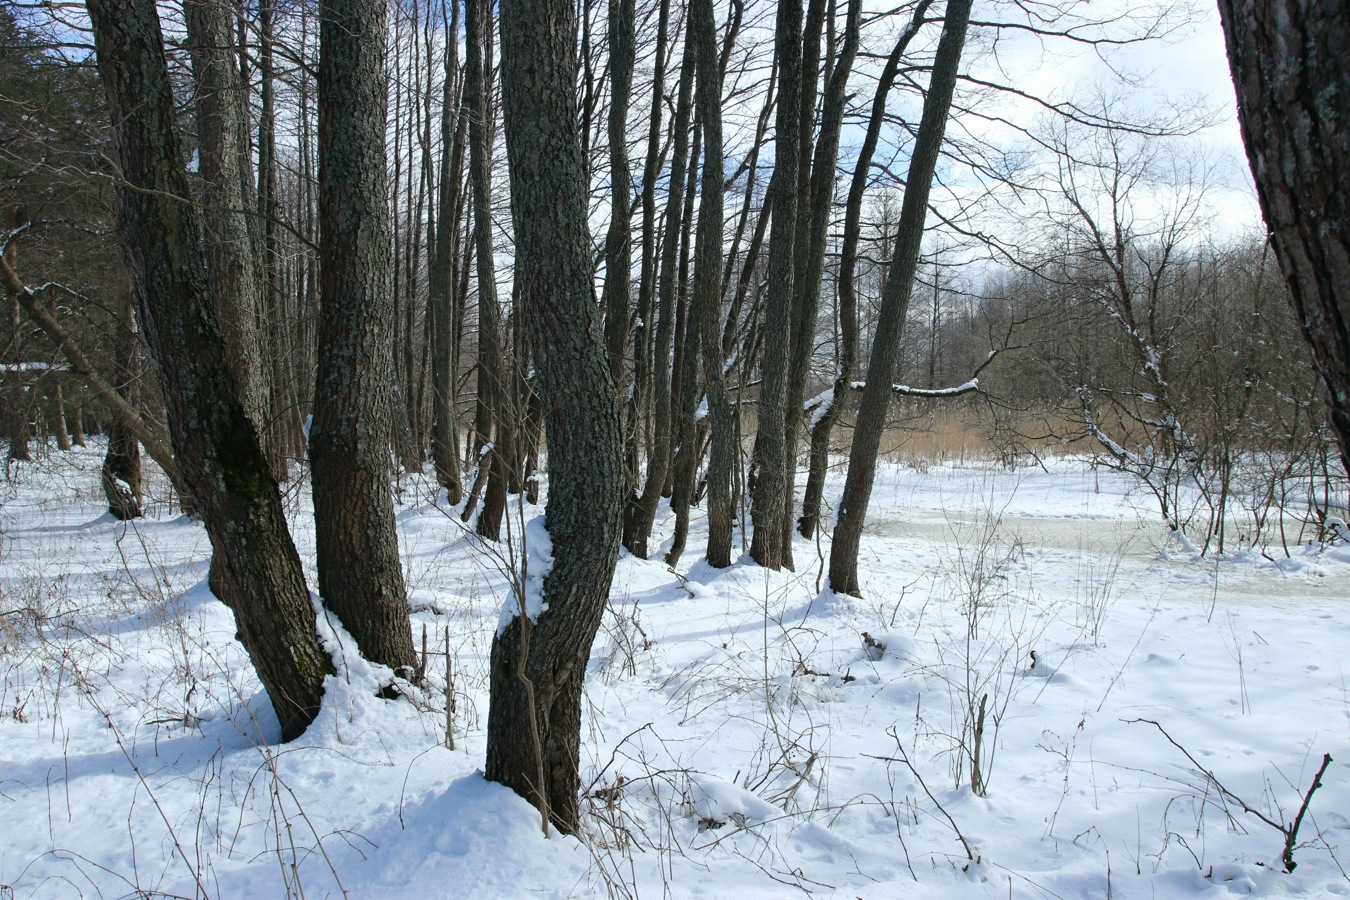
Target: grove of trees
{"x": 653, "y": 254}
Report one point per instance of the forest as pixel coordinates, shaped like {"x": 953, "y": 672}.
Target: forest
{"x": 473, "y": 375}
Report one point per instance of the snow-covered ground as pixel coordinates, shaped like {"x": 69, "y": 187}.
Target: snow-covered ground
{"x": 746, "y": 734}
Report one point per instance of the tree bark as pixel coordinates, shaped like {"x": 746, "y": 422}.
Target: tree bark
{"x": 121, "y": 474}
{"x": 619, "y": 239}
{"x": 440, "y": 295}
{"x": 1288, "y": 59}
{"x": 769, "y": 466}
{"x": 538, "y": 667}
{"x": 684, "y": 379}
{"x": 360, "y": 573}
{"x": 862, "y": 463}
{"x": 495, "y": 414}
{"x": 217, "y": 448}
{"x": 231, "y": 262}
{"x": 708, "y": 284}
{"x": 286, "y": 438}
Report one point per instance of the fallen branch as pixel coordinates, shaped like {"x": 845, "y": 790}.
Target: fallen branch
{"x": 80, "y": 365}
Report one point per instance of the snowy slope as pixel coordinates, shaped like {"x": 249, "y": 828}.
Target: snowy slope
{"x": 742, "y": 739}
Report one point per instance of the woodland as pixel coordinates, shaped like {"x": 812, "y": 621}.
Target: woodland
{"x": 609, "y": 284}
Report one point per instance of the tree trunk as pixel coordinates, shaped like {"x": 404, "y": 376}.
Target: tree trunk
{"x": 619, "y": 239}
{"x": 20, "y": 433}
{"x": 79, "y": 364}
{"x": 658, "y": 279}
{"x": 495, "y": 418}
{"x": 827, "y": 412}
{"x": 441, "y": 284}
{"x": 58, "y": 414}
{"x": 708, "y": 284}
{"x": 1288, "y": 59}
{"x": 121, "y": 476}
{"x": 534, "y": 719}
{"x": 286, "y": 439}
{"x": 217, "y": 448}
{"x": 684, "y": 379}
{"x": 230, "y": 260}
{"x": 360, "y": 573}
{"x": 862, "y": 462}
{"x": 769, "y": 466}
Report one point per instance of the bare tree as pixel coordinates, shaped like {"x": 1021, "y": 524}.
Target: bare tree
{"x": 708, "y": 284}
{"x": 494, "y": 421}
{"x": 539, "y": 657}
{"x": 442, "y": 281}
{"x": 222, "y": 144}
{"x": 222, "y": 464}
{"x": 895, "y": 302}
{"x": 360, "y": 573}
{"x": 769, "y": 468}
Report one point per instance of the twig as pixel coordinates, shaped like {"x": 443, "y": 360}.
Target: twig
{"x": 1290, "y": 831}
{"x": 904, "y": 758}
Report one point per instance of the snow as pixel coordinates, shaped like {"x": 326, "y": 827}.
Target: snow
{"x": 741, "y": 737}
{"x": 34, "y": 367}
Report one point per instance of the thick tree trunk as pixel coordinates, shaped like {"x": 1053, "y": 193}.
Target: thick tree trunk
{"x": 862, "y": 463}
{"x": 360, "y": 573}
{"x": 231, "y": 262}
{"x": 1288, "y": 59}
{"x": 537, "y": 668}
{"x": 218, "y": 451}
{"x": 769, "y": 466}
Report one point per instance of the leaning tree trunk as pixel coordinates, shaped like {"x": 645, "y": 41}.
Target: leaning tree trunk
{"x": 360, "y": 573}
{"x": 1288, "y": 59}
{"x": 219, "y": 457}
{"x": 827, "y": 411}
{"x": 121, "y": 410}
{"x": 862, "y": 461}
{"x": 538, "y": 664}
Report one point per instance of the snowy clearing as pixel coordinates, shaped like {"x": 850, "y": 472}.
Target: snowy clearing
{"x": 747, "y": 734}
